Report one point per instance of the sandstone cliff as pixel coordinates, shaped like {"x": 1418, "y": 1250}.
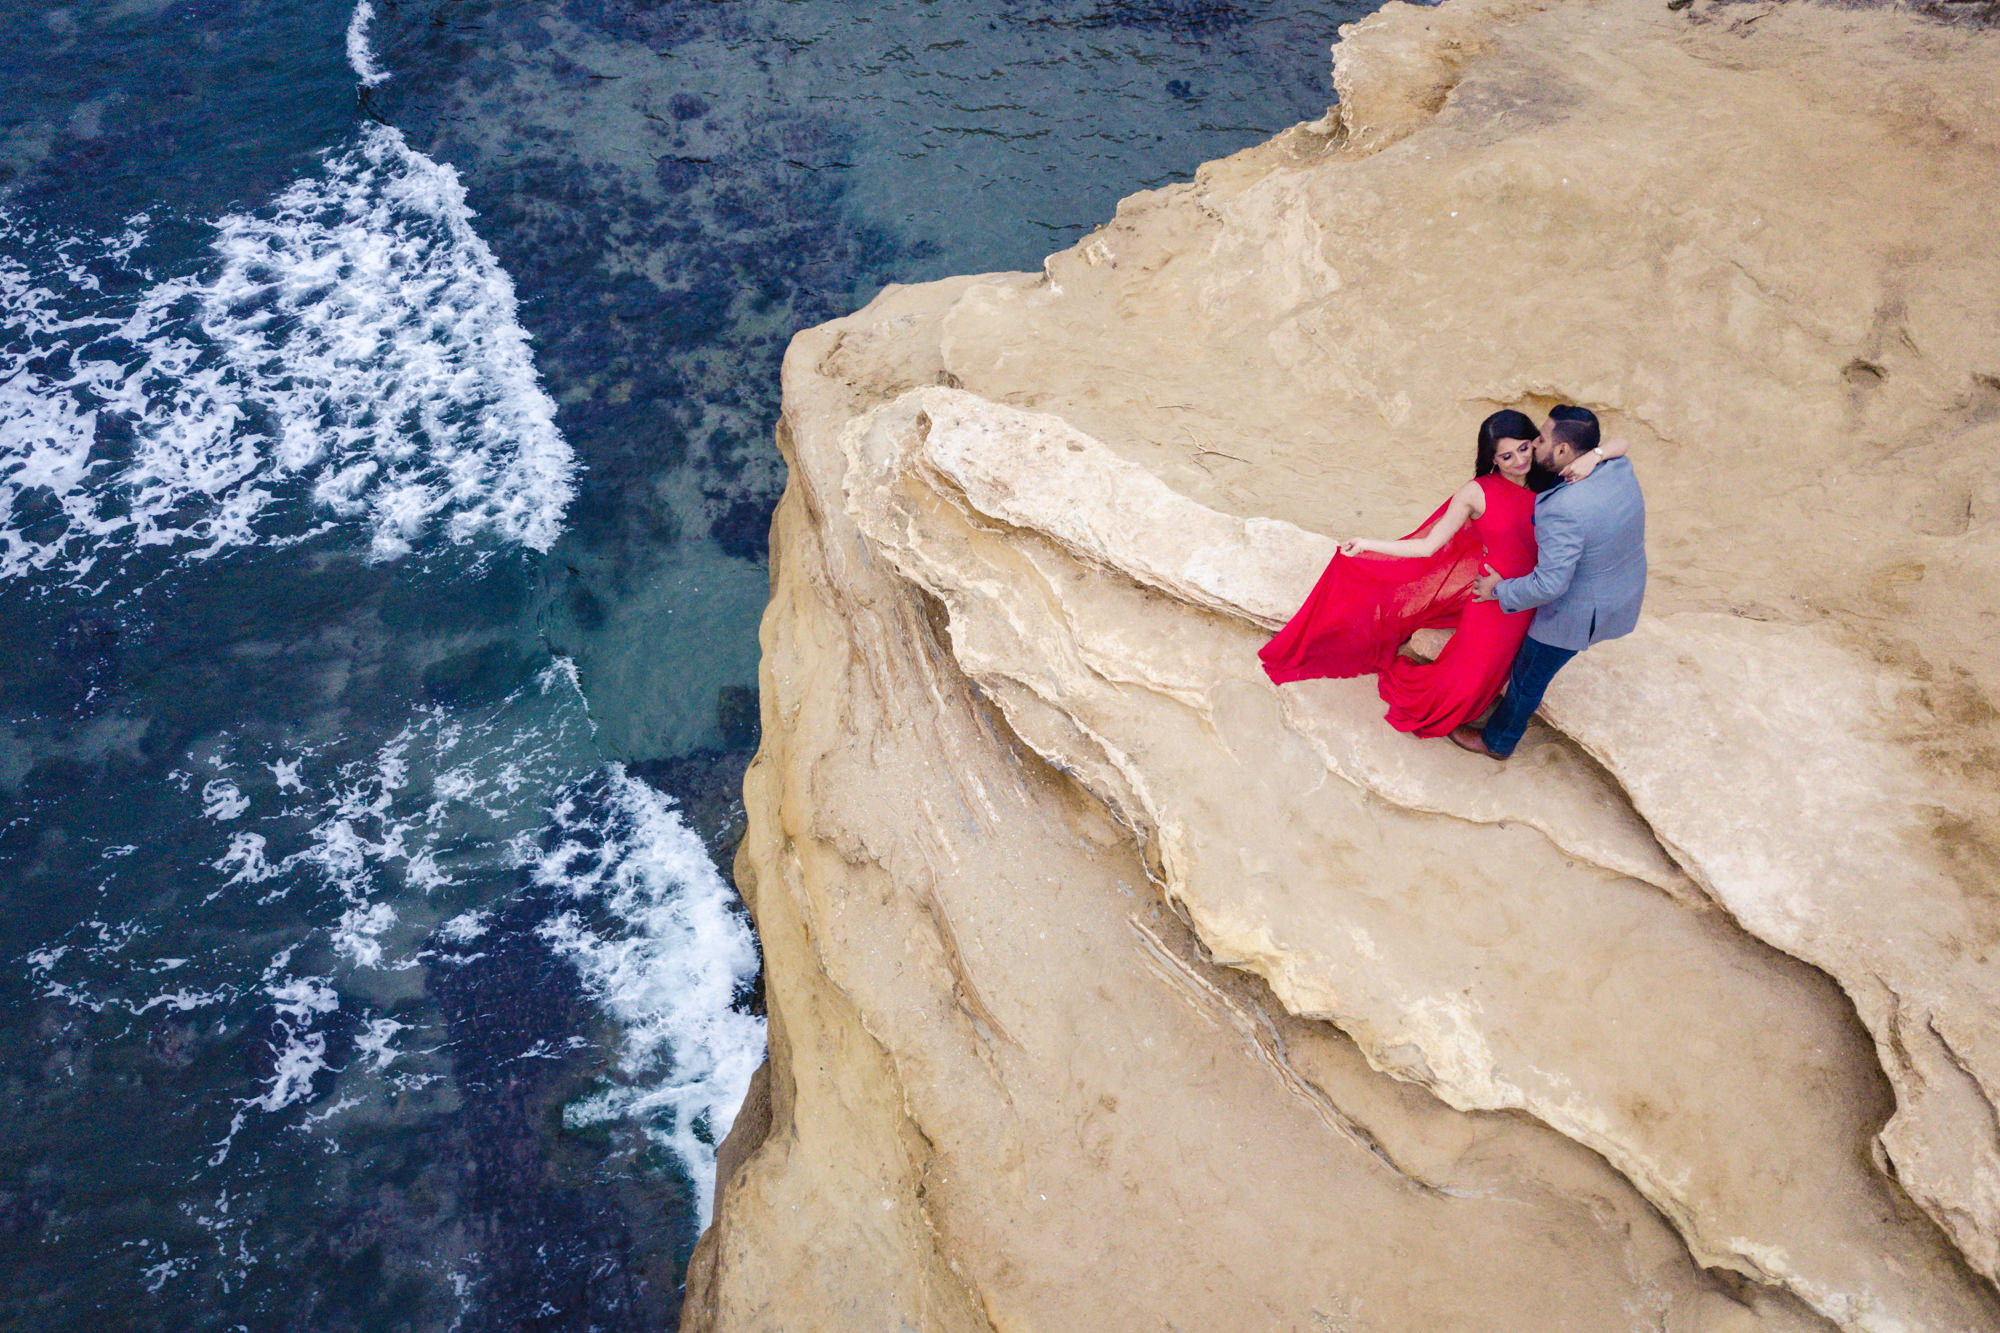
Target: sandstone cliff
{"x": 1112, "y": 988}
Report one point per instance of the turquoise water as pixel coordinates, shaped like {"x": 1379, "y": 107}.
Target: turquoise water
{"x": 386, "y": 396}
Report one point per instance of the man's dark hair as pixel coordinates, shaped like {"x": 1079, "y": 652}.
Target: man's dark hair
{"x": 1578, "y": 435}
{"x": 1571, "y": 412}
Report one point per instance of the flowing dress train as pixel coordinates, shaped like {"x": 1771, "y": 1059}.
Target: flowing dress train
{"x": 1365, "y": 607}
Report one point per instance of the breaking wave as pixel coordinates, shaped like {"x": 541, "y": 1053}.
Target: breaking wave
{"x": 667, "y": 959}
{"x": 348, "y": 354}
{"x": 395, "y": 859}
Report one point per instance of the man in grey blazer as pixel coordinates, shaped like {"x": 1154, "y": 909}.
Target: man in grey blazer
{"x": 1587, "y": 583}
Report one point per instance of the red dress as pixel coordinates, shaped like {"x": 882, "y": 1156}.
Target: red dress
{"x": 1365, "y": 607}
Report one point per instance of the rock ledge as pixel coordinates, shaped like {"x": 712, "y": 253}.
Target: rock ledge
{"x": 1111, "y": 987}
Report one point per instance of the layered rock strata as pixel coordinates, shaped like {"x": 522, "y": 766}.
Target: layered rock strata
{"x": 1111, "y": 987}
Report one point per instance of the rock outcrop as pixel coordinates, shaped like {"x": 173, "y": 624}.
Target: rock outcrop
{"x": 1111, "y": 987}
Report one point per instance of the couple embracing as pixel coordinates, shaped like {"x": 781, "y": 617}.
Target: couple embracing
{"x": 1540, "y": 555}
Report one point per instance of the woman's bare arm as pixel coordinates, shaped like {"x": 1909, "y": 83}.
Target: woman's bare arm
{"x": 1467, "y": 501}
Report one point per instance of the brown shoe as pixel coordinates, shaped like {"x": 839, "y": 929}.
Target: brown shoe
{"x": 1469, "y": 738}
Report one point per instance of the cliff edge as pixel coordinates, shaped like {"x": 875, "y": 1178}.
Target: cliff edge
{"x": 1110, "y": 987}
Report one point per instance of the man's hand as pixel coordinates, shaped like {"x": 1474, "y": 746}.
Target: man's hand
{"x": 1482, "y": 590}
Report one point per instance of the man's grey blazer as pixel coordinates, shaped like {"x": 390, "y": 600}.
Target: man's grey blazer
{"x": 1590, "y": 560}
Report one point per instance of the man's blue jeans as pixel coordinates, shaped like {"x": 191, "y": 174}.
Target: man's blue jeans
{"x": 1534, "y": 667}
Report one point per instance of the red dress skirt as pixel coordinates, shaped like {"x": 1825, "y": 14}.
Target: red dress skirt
{"x": 1365, "y": 607}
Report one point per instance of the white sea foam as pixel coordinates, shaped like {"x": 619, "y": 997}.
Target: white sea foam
{"x": 222, "y": 800}
{"x": 376, "y": 830}
{"x": 464, "y": 928}
{"x": 384, "y": 332}
{"x": 360, "y": 58}
{"x": 158, "y": 1275}
{"x": 299, "y": 999}
{"x": 184, "y": 999}
{"x": 668, "y": 973}
{"x": 392, "y": 855}
{"x": 298, "y": 1053}
{"x": 245, "y": 859}
{"x": 42, "y": 960}
{"x": 42, "y": 965}
{"x": 302, "y": 1055}
{"x": 374, "y": 1043}
{"x": 368, "y": 832}
{"x": 352, "y": 348}
{"x": 357, "y": 937}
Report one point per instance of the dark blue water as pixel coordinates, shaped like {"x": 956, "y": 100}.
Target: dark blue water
{"x": 385, "y": 410}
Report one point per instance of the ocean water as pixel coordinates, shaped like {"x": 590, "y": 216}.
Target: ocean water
{"x": 386, "y": 395}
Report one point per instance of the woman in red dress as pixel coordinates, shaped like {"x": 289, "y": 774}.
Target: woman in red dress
{"x": 1375, "y": 594}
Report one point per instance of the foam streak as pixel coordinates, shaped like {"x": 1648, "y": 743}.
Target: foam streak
{"x": 669, "y": 974}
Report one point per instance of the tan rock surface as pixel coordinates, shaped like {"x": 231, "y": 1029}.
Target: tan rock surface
{"x": 1800, "y": 787}
{"x": 1698, "y": 987}
{"x": 1008, "y": 1091}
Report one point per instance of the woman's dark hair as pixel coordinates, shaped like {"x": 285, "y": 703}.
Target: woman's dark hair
{"x": 1508, "y": 425}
